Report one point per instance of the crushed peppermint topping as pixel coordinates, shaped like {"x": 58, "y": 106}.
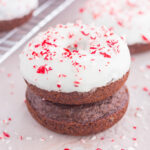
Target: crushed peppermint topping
{"x": 145, "y": 38}
{"x": 75, "y": 45}
{"x": 120, "y": 15}
{"x": 6, "y": 134}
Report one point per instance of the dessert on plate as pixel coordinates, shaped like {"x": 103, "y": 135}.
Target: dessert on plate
{"x": 14, "y": 13}
{"x": 75, "y": 75}
{"x": 128, "y": 17}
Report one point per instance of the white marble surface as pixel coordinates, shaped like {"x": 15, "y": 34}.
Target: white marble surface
{"x": 131, "y": 133}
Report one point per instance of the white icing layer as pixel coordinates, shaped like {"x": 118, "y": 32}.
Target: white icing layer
{"x": 74, "y": 57}
{"x": 12, "y": 9}
{"x": 128, "y": 17}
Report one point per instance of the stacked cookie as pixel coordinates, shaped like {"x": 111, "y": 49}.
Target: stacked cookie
{"x": 14, "y": 13}
{"x": 128, "y": 17}
{"x": 75, "y": 75}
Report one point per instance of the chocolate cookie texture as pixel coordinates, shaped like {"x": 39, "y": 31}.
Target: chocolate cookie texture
{"x": 126, "y": 17}
{"x": 78, "y": 98}
{"x": 78, "y": 120}
{"x": 138, "y": 48}
{"x": 11, "y": 24}
{"x": 16, "y": 12}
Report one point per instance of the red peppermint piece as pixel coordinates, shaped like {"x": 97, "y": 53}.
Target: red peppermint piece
{"x": 70, "y": 36}
{"x": 21, "y": 138}
{"x": 75, "y": 45}
{"x": 76, "y": 82}
{"x": 30, "y": 44}
{"x": 6, "y": 134}
{"x": 134, "y": 139}
{"x": 67, "y": 149}
{"x": 105, "y": 55}
{"x": 145, "y": 38}
{"x": 120, "y": 23}
{"x": 9, "y": 75}
{"x": 134, "y": 127}
{"x": 111, "y": 43}
{"x": 58, "y": 85}
{"x": 93, "y": 52}
{"x": 102, "y": 138}
{"x": 81, "y": 10}
{"x": 92, "y": 47}
{"x": 145, "y": 89}
{"x": 85, "y": 34}
{"x": 93, "y": 38}
{"x": 148, "y": 66}
{"x": 47, "y": 43}
{"x": 68, "y": 51}
{"x": 37, "y": 45}
{"x": 34, "y": 53}
{"x": 9, "y": 119}
{"x": 41, "y": 70}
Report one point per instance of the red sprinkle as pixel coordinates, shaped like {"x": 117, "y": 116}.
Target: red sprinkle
{"x": 6, "y": 134}
{"x": 92, "y": 47}
{"x": 148, "y": 66}
{"x": 93, "y": 52}
{"x": 145, "y": 89}
{"x": 21, "y": 138}
{"x": 105, "y": 55}
{"x": 76, "y": 82}
{"x": 58, "y": 85}
{"x": 9, "y": 74}
{"x": 120, "y": 23}
{"x": 102, "y": 138}
{"x": 41, "y": 70}
{"x": 93, "y": 38}
{"x": 67, "y": 149}
{"x": 67, "y": 50}
{"x": 81, "y": 10}
{"x": 134, "y": 139}
{"x": 37, "y": 45}
{"x": 75, "y": 45}
{"x": 70, "y": 36}
{"x": 145, "y": 38}
{"x": 9, "y": 119}
{"x": 134, "y": 127}
{"x": 85, "y": 34}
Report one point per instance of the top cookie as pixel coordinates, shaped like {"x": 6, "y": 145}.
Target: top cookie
{"x": 129, "y": 17}
{"x": 13, "y": 9}
{"x": 74, "y": 57}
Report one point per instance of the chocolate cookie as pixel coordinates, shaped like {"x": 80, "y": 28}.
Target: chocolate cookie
{"x": 78, "y": 120}
{"x": 77, "y": 98}
{"x": 138, "y": 48}
{"x": 11, "y": 24}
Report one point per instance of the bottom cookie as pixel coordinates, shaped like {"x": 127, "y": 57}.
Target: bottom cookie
{"x": 80, "y": 119}
{"x": 11, "y": 24}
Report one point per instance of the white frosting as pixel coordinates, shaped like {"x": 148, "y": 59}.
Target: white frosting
{"x": 12, "y": 9}
{"x": 101, "y": 57}
{"x": 133, "y": 15}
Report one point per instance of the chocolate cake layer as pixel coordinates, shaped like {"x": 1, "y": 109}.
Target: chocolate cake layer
{"x": 78, "y": 119}
{"x": 11, "y": 24}
{"x": 138, "y": 48}
{"x": 78, "y": 98}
